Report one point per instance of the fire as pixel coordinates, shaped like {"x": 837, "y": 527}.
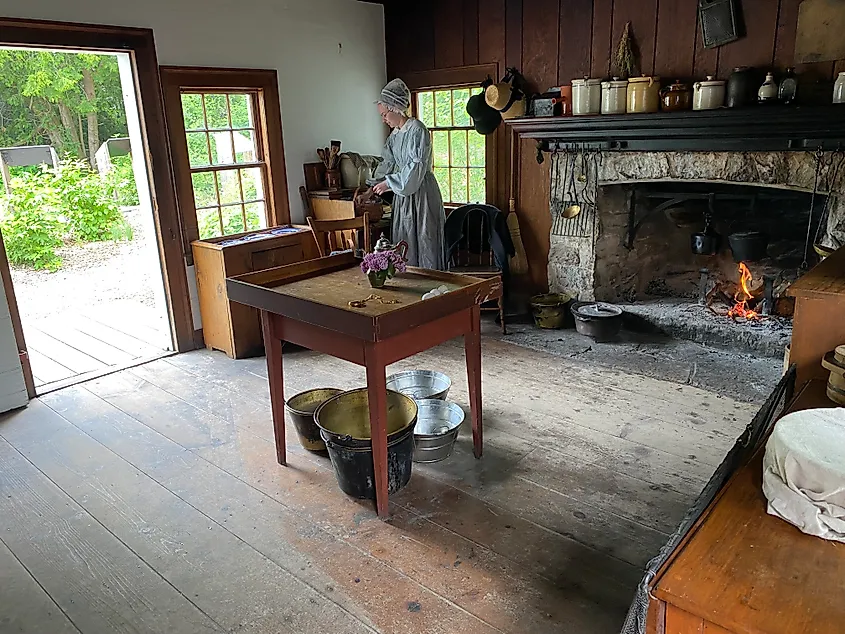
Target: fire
{"x": 741, "y": 297}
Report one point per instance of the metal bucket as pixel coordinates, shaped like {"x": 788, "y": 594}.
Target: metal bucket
{"x": 420, "y": 384}
{"x": 549, "y": 310}
{"x": 344, "y": 423}
{"x": 301, "y": 408}
{"x": 438, "y": 424}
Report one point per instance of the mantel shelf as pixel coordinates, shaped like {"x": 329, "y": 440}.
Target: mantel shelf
{"x": 755, "y": 129}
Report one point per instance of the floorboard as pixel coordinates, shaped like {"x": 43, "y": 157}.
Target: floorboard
{"x": 26, "y": 608}
{"x": 94, "y": 578}
{"x": 167, "y": 473}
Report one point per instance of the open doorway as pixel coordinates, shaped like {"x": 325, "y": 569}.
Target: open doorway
{"x": 76, "y": 215}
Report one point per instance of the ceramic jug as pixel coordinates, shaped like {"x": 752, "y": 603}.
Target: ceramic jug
{"x": 740, "y": 87}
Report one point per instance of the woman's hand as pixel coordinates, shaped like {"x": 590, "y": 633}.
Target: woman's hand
{"x": 381, "y": 188}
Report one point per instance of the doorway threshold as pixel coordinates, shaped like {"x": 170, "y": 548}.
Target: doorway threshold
{"x": 47, "y": 388}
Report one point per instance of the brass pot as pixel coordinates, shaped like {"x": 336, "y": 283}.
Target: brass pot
{"x": 643, "y": 94}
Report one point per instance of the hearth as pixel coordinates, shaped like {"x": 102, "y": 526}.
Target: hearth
{"x": 632, "y": 241}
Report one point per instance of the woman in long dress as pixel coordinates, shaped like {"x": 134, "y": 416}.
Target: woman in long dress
{"x": 418, "y": 214}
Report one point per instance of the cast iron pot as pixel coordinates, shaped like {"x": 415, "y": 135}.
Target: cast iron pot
{"x": 598, "y": 320}
{"x": 748, "y": 246}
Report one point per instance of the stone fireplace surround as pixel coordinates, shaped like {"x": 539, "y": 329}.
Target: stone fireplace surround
{"x": 572, "y": 260}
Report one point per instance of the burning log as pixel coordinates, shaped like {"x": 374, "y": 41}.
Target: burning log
{"x": 745, "y": 298}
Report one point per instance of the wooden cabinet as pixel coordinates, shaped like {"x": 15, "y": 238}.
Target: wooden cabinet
{"x": 818, "y": 324}
{"x": 234, "y": 328}
{"x": 743, "y": 571}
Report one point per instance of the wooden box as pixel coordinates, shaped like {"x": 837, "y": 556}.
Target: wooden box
{"x": 234, "y": 328}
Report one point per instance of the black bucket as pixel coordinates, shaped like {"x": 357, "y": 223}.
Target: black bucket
{"x": 353, "y": 466}
{"x": 344, "y": 423}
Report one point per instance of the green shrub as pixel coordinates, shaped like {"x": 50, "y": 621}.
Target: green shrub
{"x": 209, "y": 222}
{"x": 52, "y": 206}
{"x": 31, "y": 229}
{"x": 121, "y": 180}
{"x": 87, "y": 204}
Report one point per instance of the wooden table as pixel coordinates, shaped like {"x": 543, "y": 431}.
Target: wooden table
{"x": 308, "y": 304}
{"x": 743, "y": 571}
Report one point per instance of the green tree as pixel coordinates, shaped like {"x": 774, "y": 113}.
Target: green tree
{"x": 46, "y": 96}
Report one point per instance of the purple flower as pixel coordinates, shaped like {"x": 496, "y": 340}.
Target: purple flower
{"x": 381, "y": 261}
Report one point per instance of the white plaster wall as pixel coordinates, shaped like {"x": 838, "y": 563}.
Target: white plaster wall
{"x": 329, "y": 55}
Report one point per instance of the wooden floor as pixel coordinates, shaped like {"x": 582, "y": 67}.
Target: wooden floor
{"x": 80, "y": 345}
{"x": 150, "y": 501}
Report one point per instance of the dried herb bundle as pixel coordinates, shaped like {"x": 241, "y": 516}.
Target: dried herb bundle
{"x": 625, "y": 60}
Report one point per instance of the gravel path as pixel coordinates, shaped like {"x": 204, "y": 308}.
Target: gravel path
{"x": 92, "y": 275}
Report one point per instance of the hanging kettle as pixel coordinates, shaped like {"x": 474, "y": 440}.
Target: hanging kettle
{"x": 707, "y": 242}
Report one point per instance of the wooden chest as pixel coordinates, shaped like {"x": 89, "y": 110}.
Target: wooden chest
{"x": 234, "y": 328}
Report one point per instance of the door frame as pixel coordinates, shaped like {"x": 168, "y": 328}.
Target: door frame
{"x": 140, "y": 45}
{"x": 23, "y": 355}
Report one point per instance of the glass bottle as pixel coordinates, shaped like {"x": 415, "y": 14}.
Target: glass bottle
{"x": 788, "y": 87}
{"x": 769, "y": 90}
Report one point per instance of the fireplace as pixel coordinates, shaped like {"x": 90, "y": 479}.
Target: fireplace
{"x": 631, "y": 242}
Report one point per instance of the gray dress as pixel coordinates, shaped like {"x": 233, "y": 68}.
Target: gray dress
{"x": 418, "y": 214}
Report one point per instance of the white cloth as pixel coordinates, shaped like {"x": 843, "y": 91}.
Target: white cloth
{"x": 418, "y": 215}
{"x": 804, "y": 471}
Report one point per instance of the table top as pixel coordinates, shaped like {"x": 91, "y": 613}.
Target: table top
{"x": 825, "y": 279}
{"x": 750, "y": 572}
{"x": 320, "y": 291}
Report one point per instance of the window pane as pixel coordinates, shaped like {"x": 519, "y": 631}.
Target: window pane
{"x": 204, "y": 192}
{"x": 477, "y": 149}
{"x": 459, "y": 186}
{"x": 425, "y": 108}
{"x": 229, "y": 185}
{"x": 208, "y": 221}
{"x": 256, "y": 217}
{"x": 221, "y": 148}
{"x": 442, "y": 176}
{"x": 240, "y": 107}
{"x": 233, "y": 220}
{"x": 458, "y": 142}
{"x": 192, "y": 112}
{"x": 198, "y": 149}
{"x": 252, "y": 183}
{"x": 443, "y": 108}
{"x": 217, "y": 111}
{"x": 440, "y": 148}
{"x": 244, "y": 146}
{"x": 459, "y": 107}
{"x": 477, "y": 186}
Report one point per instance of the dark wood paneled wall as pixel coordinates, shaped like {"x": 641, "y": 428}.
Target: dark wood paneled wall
{"x": 554, "y": 41}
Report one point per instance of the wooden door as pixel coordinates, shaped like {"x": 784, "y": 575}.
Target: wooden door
{"x": 15, "y": 371}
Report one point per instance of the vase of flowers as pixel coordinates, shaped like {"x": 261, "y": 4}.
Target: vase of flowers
{"x": 381, "y": 266}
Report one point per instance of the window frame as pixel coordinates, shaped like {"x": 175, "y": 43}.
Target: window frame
{"x": 449, "y": 129}
{"x": 263, "y": 88}
{"x": 461, "y": 77}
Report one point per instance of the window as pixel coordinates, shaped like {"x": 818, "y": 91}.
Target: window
{"x": 228, "y": 157}
{"x": 459, "y": 152}
{"x": 226, "y": 162}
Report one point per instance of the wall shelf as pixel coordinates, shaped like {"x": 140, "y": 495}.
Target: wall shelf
{"x": 755, "y": 129}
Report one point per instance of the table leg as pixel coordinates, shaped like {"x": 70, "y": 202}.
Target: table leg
{"x": 377, "y": 395}
{"x": 273, "y": 350}
{"x": 472, "y": 346}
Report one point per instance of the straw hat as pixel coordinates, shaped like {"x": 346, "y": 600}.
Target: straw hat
{"x": 498, "y": 96}
{"x": 516, "y": 109}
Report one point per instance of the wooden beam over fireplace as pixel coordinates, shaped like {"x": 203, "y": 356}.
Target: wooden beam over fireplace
{"x": 760, "y": 129}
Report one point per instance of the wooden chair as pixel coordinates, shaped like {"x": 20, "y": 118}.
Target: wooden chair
{"x": 340, "y": 235}
{"x": 471, "y": 242}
